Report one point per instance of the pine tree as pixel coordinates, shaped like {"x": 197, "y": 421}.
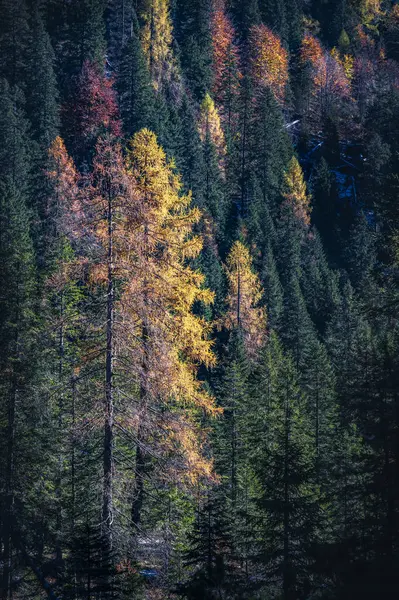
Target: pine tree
{"x": 14, "y": 36}
{"x": 86, "y": 34}
{"x": 41, "y": 93}
{"x": 135, "y": 90}
{"x": 283, "y": 460}
{"x": 193, "y": 34}
{"x": 226, "y": 67}
{"x": 273, "y": 289}
{"x": 17, "y": 342}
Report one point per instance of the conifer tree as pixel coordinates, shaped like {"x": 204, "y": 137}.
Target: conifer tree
{"x": 17, "y": 322}
{"x": 270, "y": 147}
{"x": 324, "y": 214}
{"x": 273, "y": 291}
{"x": 164, "y": 217}
{"x": 269, "y": 61}
{"x": 86, "y": 33}
{"x": 135, "y": 90}
{"x": 211, "y": 555}
{"x": 246, "y": 15}
{"x": 275, "y": 16}
{"x": 361, "y": 253}
{"x": 14, "y": 36}
{"x": 193, "y": 34}
{"x": 210, "y": 128}
{"x": 244, "y": 311}
{"x": 283, "y": 461}
{"x": 120, "y": 20}
{"x": 41, "y": 93}
{"x": 156, "y": 34}
{"x": 226, "y": 66}
{"x": 190, "y": 156}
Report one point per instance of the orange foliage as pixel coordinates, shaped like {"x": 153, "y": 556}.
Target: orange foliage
{"x": 226, "y": 61}
{"x": 330, "y": 83}
{"x": 136, "y": 227}
{"x": 64, "y": 205}
{"x": 269, "y": 60}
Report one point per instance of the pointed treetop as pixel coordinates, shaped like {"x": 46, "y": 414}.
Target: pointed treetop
{"x": 294, "y": 191}
{"x": 210, "y": 128}
{"x": 245, "y": 294}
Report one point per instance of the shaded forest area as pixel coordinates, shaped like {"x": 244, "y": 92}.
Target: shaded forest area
{"x": 199, "y": 302}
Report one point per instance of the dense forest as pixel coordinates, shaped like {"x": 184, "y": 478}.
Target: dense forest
{"x": 199, "y": 299}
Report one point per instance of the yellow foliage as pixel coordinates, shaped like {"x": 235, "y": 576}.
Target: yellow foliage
{"x": 243, "y": 300}
{"x": 269, "y": 60}
{"x": 346, "y": 61}
{"x": 210, "y": 125}
{"x": 294, "y": 191}
{"x": 156, "y": 39}
{"x": 167, "y": 338}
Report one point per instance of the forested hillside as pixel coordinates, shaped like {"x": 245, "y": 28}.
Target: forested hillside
{"x": 199, "y": 300}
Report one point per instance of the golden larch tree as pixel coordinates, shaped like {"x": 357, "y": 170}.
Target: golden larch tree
{"x": 157, "y": 39}
{"x": 268, "y": 60}
{"x": 170, "y": 341}
{"x": 210, "y": 127}
{"x": 244, "y": 310}
{"x": 295, "y": 193}
{"x": 135, "y": 240}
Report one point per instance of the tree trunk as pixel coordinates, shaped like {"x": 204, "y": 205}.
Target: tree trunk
{"x": 107, "y": 516}
{"x": 9, "y": 496}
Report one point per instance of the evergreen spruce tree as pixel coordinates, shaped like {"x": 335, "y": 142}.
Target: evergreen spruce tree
{"x": 190, "y": 154}
{"x": 135, "y": 90}
{"x": 210, "y": 557}
{"x": 86, "y": 34}
{"x": 283, "y": 459}
{"x": 14, "y": 36}
{"x": 270, "y": 146}
{"x": 274, "y": 295}
{"x": 246, "y": 14}
{"x": 120, "y": 22}
{"x": 324, "y": 214}
{"x": 19, "y": 306}
{"x": 274, "y": 16}
{"x": 318, "y": 282}
{"x": 360, "y": 253}
{"x": 194, "y": 38}
{"x": 41, "y": 92}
